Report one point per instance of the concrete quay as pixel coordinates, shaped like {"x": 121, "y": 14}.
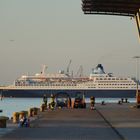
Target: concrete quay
{"x": 107, "y": 122}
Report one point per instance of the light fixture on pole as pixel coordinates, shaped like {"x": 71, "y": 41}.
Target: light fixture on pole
{"x": 137, "y": 80}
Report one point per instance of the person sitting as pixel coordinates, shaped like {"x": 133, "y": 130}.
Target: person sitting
{"x": 52, "y": 105}
{"x": 24, "y": 122}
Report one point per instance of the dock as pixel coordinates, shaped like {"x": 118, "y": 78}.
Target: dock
{"x": 108, "y": 122}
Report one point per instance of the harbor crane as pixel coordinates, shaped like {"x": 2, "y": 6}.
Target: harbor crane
{"x": 80, "y": 72}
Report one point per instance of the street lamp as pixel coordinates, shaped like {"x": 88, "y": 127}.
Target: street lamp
{"x": 137, "y": 80}
{"x": 137, "y": 67}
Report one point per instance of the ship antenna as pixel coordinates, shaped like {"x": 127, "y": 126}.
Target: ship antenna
{"x": 80, "y": 72}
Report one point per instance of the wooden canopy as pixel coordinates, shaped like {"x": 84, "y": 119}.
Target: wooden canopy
{"x": 111, "y": 7}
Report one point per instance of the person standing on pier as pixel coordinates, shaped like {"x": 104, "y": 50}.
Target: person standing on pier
{"x": 52, "y": 104}
{"x": 92, "y": 102}
{"x": 45, "y": 100}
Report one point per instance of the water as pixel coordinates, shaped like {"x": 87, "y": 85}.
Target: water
{"x": 10, "y": 105}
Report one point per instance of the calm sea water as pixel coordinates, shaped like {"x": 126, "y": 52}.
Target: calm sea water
{"x": 10, "y": 105}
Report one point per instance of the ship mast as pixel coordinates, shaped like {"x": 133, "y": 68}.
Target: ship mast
{"x": 44, "y": 67}
{"x": 80, "y": 72}
{"x": 68, "y": 68}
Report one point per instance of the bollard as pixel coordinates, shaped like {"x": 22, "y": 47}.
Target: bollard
{"x": 103, "y": 103}
{"x": 3, "y": 120}
{"x": 26, "y": 113}
{"x": 119, "y": 102}
{"x": 72, "y": 103}
{"x": 69, "y": 103}
{"x": 23, "y": 114}
{"x": 42, "y": 108}
{"x": 15, "y": 117}
{"x": 122, "y": 99}
{"x": 35, "y": 110}
{"x": 30, "y": 112}
{"x": 126, "y": 100}
{"x": 137, "y": 106}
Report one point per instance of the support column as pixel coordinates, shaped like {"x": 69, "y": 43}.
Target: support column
{"x": 137, "y": 18}
{"x": 137, "y": 91}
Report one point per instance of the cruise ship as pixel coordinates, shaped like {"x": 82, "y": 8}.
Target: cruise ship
{"x": 97, "y": 84}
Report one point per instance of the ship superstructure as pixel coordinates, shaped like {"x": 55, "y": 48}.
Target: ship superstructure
{"x": 98, "y": 84}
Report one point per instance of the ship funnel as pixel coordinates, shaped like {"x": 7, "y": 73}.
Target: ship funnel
{"x": 98, "y": 70}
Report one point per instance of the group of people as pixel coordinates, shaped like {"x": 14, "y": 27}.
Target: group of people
{"x": 24, "y": 122}
{"x": 52, "y": 103}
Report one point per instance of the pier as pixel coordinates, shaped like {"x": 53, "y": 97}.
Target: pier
{"x": 108, "y": 122}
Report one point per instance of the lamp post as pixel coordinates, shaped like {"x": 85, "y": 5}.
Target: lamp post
{"x": 137, "y": 80}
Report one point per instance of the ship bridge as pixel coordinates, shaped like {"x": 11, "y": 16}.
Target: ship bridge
{"x": 113, "y": 7}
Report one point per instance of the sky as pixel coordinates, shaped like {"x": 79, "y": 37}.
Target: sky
{"x": 52, "y": 32}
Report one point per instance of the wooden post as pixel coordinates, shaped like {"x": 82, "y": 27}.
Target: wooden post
{"x": 138, "y": 97}
{"x": 3, "y": 120}
{"x": 15, "y": 117}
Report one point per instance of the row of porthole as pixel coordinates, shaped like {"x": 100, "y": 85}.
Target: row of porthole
{"x": 110, "y": 79}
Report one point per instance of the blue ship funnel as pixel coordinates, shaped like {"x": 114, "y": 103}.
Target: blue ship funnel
{"x": 98, "y": 70}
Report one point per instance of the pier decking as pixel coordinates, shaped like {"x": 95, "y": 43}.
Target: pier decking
{"x": 108, "y": 122}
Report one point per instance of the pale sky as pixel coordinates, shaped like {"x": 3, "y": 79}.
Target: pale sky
{"x": 51, "y": 32}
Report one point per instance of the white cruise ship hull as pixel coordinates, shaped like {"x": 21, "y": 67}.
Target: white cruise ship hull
{"x": 101, "y": 93}
{"x": 98, "y": 84}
